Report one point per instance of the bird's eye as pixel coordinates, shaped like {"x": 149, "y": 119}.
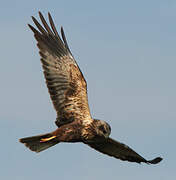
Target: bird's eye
{"x": 101, "y": 128}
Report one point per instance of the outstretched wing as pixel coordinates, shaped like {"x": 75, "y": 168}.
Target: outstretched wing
{"x": 121, "y": 151}
{"x": 65, "y": 81}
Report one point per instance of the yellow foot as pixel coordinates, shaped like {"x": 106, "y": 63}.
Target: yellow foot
{"x": 47, "y": 139}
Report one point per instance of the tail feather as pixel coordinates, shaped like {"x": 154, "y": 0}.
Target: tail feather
{"x": 40, "y": 142}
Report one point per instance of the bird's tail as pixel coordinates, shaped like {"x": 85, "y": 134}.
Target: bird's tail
{"x": 40, "y": 142}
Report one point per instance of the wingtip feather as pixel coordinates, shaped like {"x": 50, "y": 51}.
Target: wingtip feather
{"x": 155, "y": 161}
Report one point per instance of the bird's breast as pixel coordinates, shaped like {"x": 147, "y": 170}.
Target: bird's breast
{"x": 89, "y": 133}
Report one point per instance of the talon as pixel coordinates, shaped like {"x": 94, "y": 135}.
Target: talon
{"x": 47, "y": 139}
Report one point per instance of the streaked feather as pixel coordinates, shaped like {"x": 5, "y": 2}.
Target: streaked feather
{"x": 65, "y": 81}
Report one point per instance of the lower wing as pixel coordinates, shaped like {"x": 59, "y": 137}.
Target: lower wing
{"x": 121, "y": 151}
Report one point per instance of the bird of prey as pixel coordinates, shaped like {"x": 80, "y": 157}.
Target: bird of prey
{"x": 68, "y": 91}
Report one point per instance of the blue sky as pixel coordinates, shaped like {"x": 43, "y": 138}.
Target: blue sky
{"x": 126, "y": 50}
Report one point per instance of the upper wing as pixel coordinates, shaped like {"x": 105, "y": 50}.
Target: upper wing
{"x": 121, "y": 151}
{"x": 65, "y": 81}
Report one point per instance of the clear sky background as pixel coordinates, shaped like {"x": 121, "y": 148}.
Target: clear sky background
{"x": 126, "y": 50}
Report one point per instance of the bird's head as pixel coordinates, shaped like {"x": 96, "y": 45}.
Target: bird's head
{"x": 103, "y": 128}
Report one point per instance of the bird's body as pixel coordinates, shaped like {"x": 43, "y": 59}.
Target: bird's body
{"x": 68, "y": 91}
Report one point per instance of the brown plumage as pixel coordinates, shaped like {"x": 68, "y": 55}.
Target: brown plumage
{"x": 68, "y": 91}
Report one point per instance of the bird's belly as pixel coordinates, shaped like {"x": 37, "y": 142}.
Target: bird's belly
{"x": 68, "y": 134}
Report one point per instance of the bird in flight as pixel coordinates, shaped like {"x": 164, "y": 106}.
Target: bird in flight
{"x": 68, "y": 91}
